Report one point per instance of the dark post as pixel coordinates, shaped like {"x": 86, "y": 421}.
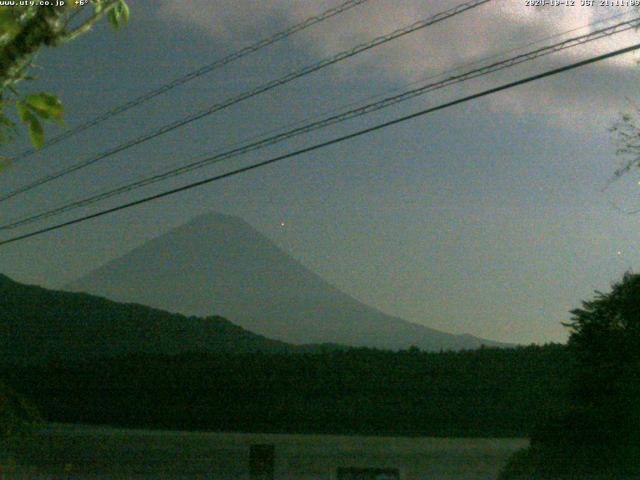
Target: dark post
{"x": 353, "y": 473}
{"x": 261, "y": 462}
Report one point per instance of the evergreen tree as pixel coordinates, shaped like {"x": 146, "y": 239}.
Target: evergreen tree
{"x": 599, "y": 436}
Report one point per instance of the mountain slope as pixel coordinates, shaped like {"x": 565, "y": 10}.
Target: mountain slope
{"x": 38, "y": 324}
{"x": 220, "y": 264}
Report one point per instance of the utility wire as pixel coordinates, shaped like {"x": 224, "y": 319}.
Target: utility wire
{"x": 194, "y": 74}
{"x": 327, "y": 143}
{"x": 252, "y": 93}
{"x": 384, "y": 103}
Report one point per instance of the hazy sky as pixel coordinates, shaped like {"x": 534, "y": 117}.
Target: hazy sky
{"x": 487, "y": 218}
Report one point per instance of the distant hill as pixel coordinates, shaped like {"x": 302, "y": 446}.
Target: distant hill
{"x": 218, "y": 264}
{"x": 38, "y": 324}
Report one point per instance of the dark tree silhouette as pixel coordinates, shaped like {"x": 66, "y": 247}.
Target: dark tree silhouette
{"x": 599, "y": 436}
{"x": 605, "y": 341}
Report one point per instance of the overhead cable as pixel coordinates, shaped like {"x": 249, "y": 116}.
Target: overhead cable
{"x": 325, "y": 144}
{"x": 331, "y": 120}
{"x": 249, "y": 94}
{"x": 221, "y": 62}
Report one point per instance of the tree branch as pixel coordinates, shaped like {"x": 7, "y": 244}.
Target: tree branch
{"x": 88, "y": 23}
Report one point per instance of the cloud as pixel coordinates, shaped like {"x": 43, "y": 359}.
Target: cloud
{"x": 483, "y": 32}
{"x": 230, "y": 20}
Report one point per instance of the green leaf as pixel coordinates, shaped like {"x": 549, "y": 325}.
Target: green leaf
{"x": 7, "y": 17}
{"x": 125, "y": 12}
{"x": 9, "y": 24}
{"x": 45, "y": 105}
{"x": 36, "y": 132}
{"x": 119, "y": 15}
{"x": 112, "y": 16}
{"x": 97, "y": 5}
{"x": 23, "y": 111}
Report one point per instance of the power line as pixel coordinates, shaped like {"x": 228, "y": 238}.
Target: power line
{"x": 195, "y": 74}
{"x": 350, "y": 114}
{"x": 252, "y": 93}
{"x": 327, "y": 143}
{"x": 596, "y": 35}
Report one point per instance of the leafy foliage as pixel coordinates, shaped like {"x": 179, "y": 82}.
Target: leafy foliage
{"x": 627, "y": 135}
{"x": 605, "y": 340}
{"x": 119, "y": 15}
{"x": 598, "y": 436}
{"x": 24, "y": 30}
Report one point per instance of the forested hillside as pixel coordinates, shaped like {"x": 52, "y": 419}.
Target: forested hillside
{"x": 39, "y": 325}
{"x": 487, "y": 392}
